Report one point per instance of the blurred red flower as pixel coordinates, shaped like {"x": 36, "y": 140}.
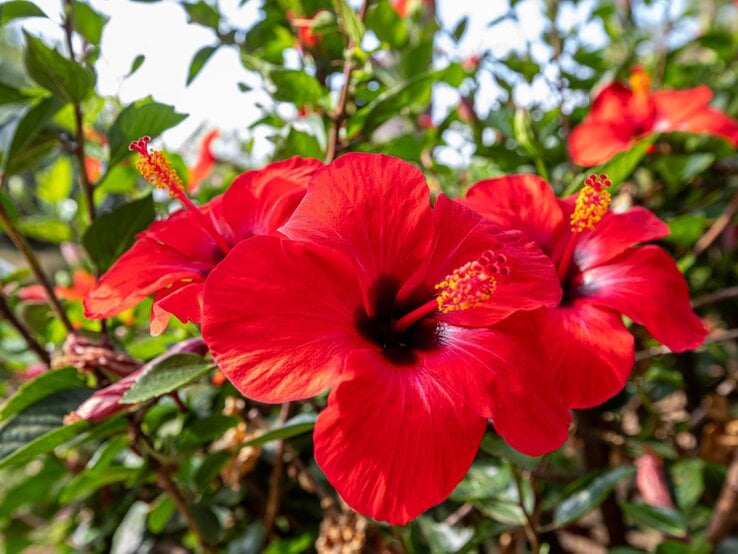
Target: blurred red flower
{"x": 205, "y": 162}
{"x": 621, "y": 115}
{"x": 172, "y": 258}
{"x": 403, "y": 311}
{"x": 590, "y": 351}
{"x": 82, "y": 283}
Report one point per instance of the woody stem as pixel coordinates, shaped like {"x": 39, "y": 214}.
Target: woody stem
{"x": 418, "y": 313}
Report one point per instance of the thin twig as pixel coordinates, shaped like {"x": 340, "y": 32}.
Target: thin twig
{"x": 724, "y": 516}
{"x": 24, "y": 331}
{"x": 275, "y": 479}
{"x": 168, "y": 485}
{"x": 715, "y": 297}
{"x": 35, "y": 266}
{"x": 723, "y": 336}
{"x": 339, "y": 115}
{"x": 530, "y": 525}
{"x": 79, "y": 147}
{"x": 716, "y": 229}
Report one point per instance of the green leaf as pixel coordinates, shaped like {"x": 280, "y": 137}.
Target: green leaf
{"x": 291, "y": 428}
{"x": 678, "y": 169}
{"x": 11, "y": 95}
{"x": 491, "y": 487}
{"x": 160, "y": 513}
{"x": 55, "y": 183}
{"x": 689, "y": 482}
{"x": 620, "y": 166}
{"x": 29, "y": 128}
{"x": 148, "y": 118}
{"x": 18, "y": 9}
{"x": 169, "y": 375}
{"x": 42, "y": 386}
{"x": 112, "y": 233}
{"x": 588, "y": 493}
{"x": 38, "y": 429}
{"x": 460, "y": 28}
{"x": 202, "y": 13}
{"x": 87, "y": 22}
{"x": 416, "y": 90}
{"x": 129, "y": 536}
{"x": 295, "y": 86}
{"x": 199, "y": 60}
{"x": 350, "y": 22}
{"x": 45, "y": 228}
{"x": 137, "y": 62}
{"x": 666, "y": 520}
{"x": 99, "y": 471}
{"x": 63, "y": 77}
{"x": 210, "y": 468}
{"x": 385, "y": 22}
{"x": 686, "y": 229}
{"x": 205, "y": 430}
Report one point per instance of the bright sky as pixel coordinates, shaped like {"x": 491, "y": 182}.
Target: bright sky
{"x": 160, "y": 32}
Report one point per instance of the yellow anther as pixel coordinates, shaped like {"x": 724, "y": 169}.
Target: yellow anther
{"x": 158, "y": 171}
{"x": 640, "y": 82}
{"x": 472, "y": 284}
{"x": 591, "y": 203}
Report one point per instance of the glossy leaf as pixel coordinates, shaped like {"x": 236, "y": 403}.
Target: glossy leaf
{"x": 112, "y": 233}
{"x": 167, "y": 376}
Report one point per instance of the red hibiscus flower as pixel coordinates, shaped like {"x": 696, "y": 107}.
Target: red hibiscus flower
{"x": 621, "y": 115}
{"x": 172, "y": 258}
{"x": 82, "y": 283}
{"x": 205, "y": 162}
{"x": 403, "y": 311}
{"x": 603, "y": 276}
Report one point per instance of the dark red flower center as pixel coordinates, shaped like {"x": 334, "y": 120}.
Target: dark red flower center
{"x": 400, "y": 328}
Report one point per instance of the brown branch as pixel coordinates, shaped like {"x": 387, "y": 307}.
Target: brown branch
{"x": 168, "y": 485}
{"x": 275, "y": 479}
{"x": 723, "y": 336}
{"x": 23, "y": 330}
{"x": 339, "y": 115}
{"x": 719, "y": 225}
{"x": 35, "y": 266}
{"x": 715, "y": 297}
{"x": 724, "y": 516}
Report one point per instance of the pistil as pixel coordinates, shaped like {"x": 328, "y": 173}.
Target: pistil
{"x": 157, "y": 170}
{"x": 590, "y": 207}
{"x": 468, "y": 286}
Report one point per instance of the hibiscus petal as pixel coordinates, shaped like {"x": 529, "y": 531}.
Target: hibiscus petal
{"x": 461, "y": 236}
{"x": 394, "y": 442}
{"x": 372, "y": 208}
{"x": 711, "y": 122}
{"x": 590, "y": 351}
{"x": 593, "y": 143}
{"x": 611, "y": 103}
{"x": 147, "y": 267}
{"x": 615, "y": 234}
{"x": 504, "y": 374}
{"x": 279, "y": 317}
{"x": 260, "y": 201}
{"x": 523, "y": 202}
{"x": 674, "y": 106}
{"x": 184, "y": 301}
{"x": 646, "y": 285}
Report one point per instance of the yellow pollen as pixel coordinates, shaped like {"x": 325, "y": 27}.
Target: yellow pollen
{"x": 640, "y": 82}
{"x": 158, "y": 171}
{"x": 591, "y": 204}
{"x": 472, "y": 284}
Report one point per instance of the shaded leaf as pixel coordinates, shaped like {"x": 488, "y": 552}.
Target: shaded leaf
{"x": 45, "y": 384}
{"x": 666, "y": 520}
{"x": 350, "y": 22}
{"x": 129, "y": 536}
{"x": 586, "y": 494}
{"x": 17, "y": 9}
{"x": 148, "y": 118}
{"x": 28, "y": 129}
{"x": 169, "y": 375}
{"x": 66, "y": 79}
{"x": 112, "y": 233}
{"x": 292, "y": 427}
{"x": 88, "y": 22}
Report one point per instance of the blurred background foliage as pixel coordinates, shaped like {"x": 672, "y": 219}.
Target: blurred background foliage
{"x": 190, "y": 465}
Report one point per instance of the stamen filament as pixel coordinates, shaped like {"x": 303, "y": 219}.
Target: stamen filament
{"x": 157, "y": 170}
{"x": 418, "y": 313}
